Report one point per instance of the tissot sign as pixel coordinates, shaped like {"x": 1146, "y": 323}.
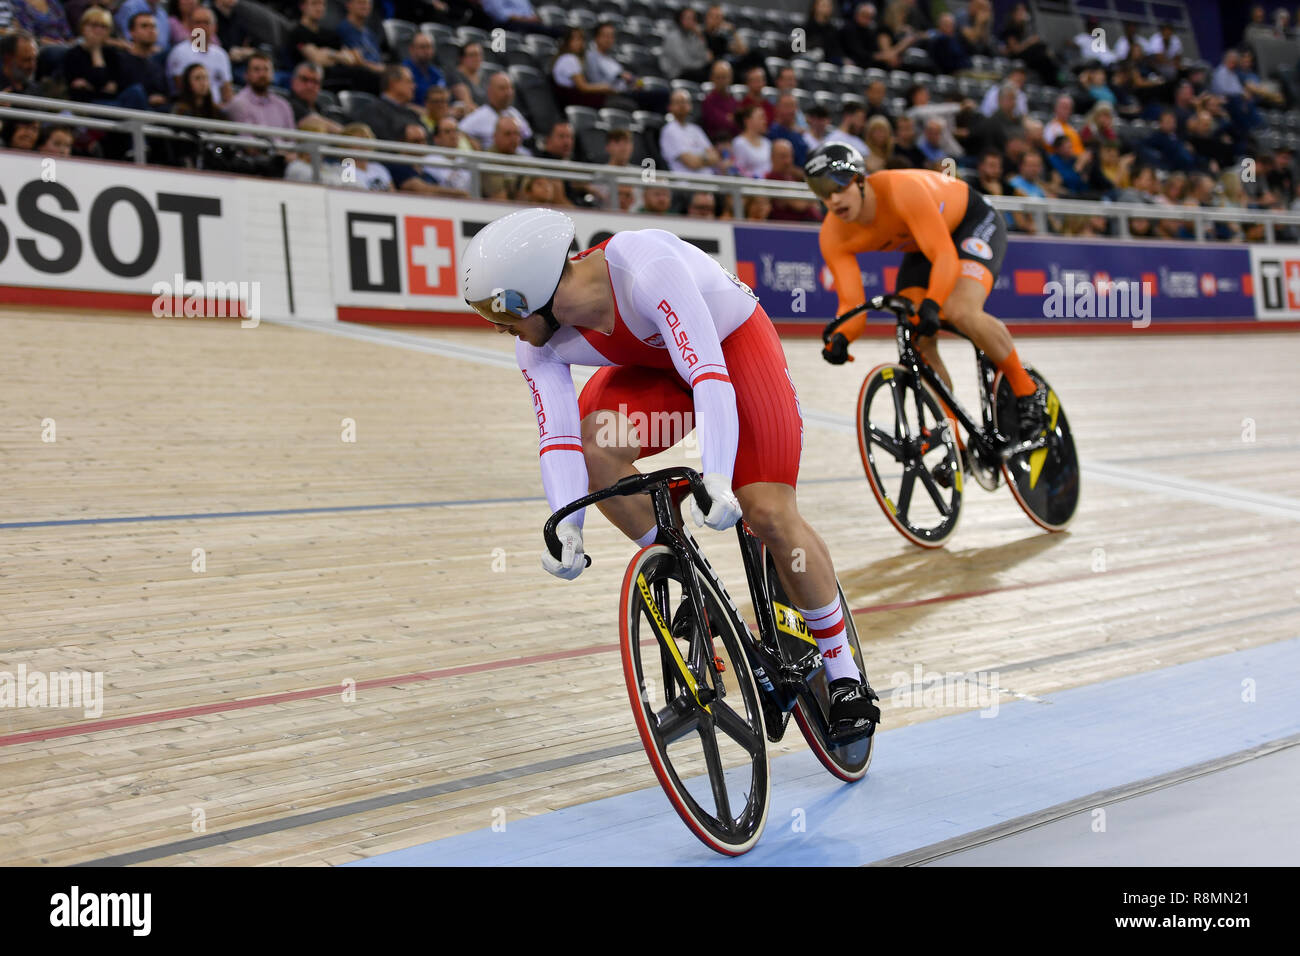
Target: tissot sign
{"x": 403, "y": 252}
{"x": 76, "y": 225}
{"x": 1276, "y": 270}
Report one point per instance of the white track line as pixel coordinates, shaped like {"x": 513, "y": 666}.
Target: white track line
{"x": 1224, "y": 496}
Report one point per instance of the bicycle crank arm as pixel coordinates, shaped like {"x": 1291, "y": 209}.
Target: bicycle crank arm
{"x": 1018, "y": 448}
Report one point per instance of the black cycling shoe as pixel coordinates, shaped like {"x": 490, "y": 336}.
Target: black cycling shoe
{"x": 853, "y": 716}
{"x": 1032, "y": 411}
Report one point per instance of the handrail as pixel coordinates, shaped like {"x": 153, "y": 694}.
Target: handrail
{"x": 142, "y": 123}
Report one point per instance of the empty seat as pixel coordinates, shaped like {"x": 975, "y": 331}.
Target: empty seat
{"x": 615, "y": 119}
{"x": 397, "y": 36}
{"x": 358, "y": 105}
{"x": 473, "y": 35}
{"x": 655, "y": 84}
{"x": 915, "y": 58}
{"x": 648, "y": 120}
{"x": 774, "y": 65}
{"x": 582, "y": 117}
{"x": 553, "y": 16}
{"x": 440, "y": 33}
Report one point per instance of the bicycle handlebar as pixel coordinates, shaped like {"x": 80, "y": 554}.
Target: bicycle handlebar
{"x": 631, "y": 485}
{"x": 901, "y": 307}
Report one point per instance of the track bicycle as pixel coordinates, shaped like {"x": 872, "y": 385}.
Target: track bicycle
{"x": 904, "y": 437}
{"x": 707, "y": 693}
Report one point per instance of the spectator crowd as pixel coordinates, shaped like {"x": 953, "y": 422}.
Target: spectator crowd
{"x": 1126, "y": 116}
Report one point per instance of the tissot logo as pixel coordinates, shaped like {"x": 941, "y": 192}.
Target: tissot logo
{"x": 1279, "y": 283}
{"x": 54, "y": 229}
{"x": 373, "y": 264}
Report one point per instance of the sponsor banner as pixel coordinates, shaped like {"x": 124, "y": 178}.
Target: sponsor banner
{"x": 401, "y": 252}
{"x": 1043, "y": 281}
{"x": 108, "y": 227}
{"x": 1276, "y": 274}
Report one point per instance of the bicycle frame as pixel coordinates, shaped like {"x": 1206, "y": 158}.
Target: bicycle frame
{"x": 984, "y": 434}
{"x": 772, "y": 672}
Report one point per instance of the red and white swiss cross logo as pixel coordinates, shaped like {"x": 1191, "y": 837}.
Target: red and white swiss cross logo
{"x": 430, "y": 256}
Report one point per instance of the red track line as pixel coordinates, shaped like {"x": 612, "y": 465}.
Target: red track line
{"x": 198, "y": 710}
{"x": 181, "y": 713}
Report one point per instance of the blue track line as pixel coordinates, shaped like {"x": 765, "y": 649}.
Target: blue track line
{"x": 332, "y": 509}
{"x": 272, "y": 512}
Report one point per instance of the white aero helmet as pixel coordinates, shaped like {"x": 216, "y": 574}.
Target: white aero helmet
{"x": 512, "y": 267}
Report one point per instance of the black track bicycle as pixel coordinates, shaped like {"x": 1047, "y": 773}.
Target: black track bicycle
{"x": 707, "y": 693}
{"x": 905, "y": 438}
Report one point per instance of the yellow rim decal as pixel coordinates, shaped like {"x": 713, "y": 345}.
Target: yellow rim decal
{"x": 667, "y": 640}
{"x": 791, "y": 622}
{"x": 956, "y": 479}
{"x": 890, "y": 505}
{"x": 886, "y": 373}
{"x": 1036, "y": 459}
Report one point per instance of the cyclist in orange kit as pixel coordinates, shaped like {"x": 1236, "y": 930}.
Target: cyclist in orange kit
{"x": 954, "y": 243}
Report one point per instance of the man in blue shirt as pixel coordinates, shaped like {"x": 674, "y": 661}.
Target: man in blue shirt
{"x": 419, "y": 60}
{"x": 1165, "y": 149}
{"x": 355, "y": 35}
{"x": 122, "y": 18}
{"x": 785, "y": 126}
{"x": 517, "y": 15}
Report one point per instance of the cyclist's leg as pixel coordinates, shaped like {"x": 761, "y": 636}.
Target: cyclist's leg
{"x": 928, "y": 345}
{"x": 981, "y": 240}
{"x": 766, "y": 471}
{"x": 965, "y": 310}
{"x": 802, "y": 560}
{"x": 628, "y": 413}
{"x": 913, "y": 281}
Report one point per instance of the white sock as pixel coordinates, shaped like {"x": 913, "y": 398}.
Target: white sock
{"x": 826, "y": 624}
{"x": 648, "y": 538}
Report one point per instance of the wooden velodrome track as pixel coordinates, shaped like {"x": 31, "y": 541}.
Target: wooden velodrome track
{"x": 482, "y": 689}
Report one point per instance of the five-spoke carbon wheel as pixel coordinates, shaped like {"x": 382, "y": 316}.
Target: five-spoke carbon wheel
{"x": 695, "y": 703}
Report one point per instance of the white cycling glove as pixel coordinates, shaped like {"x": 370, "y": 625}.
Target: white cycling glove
{"x": 726, "y": 509}
{"x": 571, "y": 562}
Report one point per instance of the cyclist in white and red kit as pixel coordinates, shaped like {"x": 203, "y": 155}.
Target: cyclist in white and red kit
{"x": 671, "y": 331}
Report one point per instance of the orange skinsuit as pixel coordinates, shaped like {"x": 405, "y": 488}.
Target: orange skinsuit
{"x": 916, "y": 210}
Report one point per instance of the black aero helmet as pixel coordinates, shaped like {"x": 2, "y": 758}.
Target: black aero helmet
{"x": 831, "y": 167}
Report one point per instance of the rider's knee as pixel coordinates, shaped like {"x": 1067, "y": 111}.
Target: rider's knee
{"x": 608, "y": 441}
{"x": 767, "y": 517}
{"x": 960, "y": 314}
